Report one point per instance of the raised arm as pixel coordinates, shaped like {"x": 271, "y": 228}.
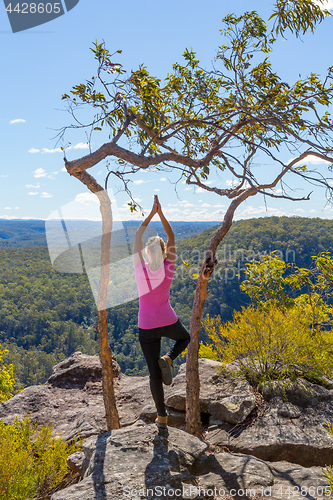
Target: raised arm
{"x": 138, "y": 245}
{"x": 170, "y": 246}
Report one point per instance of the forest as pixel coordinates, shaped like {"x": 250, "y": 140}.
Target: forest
{"x": 45, "y": 315}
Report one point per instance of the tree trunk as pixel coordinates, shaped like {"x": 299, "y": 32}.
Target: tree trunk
{"x": 105, "y": 354}
{"x": 193, "y": 417}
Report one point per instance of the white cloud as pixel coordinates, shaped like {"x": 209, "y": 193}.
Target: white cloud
{"x": 139, "y": 181}
{"x": 17, "y": 208}
{"x": 33, "y": 150}
{"x": 5, "y": 175}
{"x": 46, "y": 195}
{"x": 199, "y": 190}
{"x": 7, "y": 208}
{"x": 204, "y": 205}
{"x": 81, "y": 145}
{"x": 163, "y": 179}
{"x": 187, "y": 188}
{"x": 310, "y": 159}
{"x": 40, "y": 172}
{"x": 55, "y": 150}
{"x": 32, "y": 193}
{"x": 156, "y": 190}
{"x": 260, "y": 210}
{"x": 138, "y": 199}
{"x": 86, "y": 198}
{"x": 327, "y": 4}
{"x": 312, "y": 211}
{"x": 35, "y": 186}
{"x": 232, "y": 182}
{"x": 63, "y": 169}
{"x": 299, "y": 210}
{"x": 18, "y": 120}
{"x": 55, "y": 173}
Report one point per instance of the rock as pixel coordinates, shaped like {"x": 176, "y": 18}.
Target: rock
{"x": 231, "y": 470}
{"x": 133, "y": 458}
{"x": 285, "y": 432}
{"x": 78, "y": 369}
{"x": 140, "y": 460}
{"x": 71, "y": 400}
{"x": 299, "y": 391}
{"x": 234, "y": 473}
{"x": 291, "y": 429}
{"x": 233, "y": 409}
{"x": 222, "y": 395}
{"x": 78, "y": 462}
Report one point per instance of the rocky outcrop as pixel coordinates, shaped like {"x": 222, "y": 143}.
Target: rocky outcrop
{"x": 134, "y": 458}
{"x": 140, "y": 462}
{"x": 290, "y": 426}
{"x": 222, "y": 395}
{"x": 293, "y": 426}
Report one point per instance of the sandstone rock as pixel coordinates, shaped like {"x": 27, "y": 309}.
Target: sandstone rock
{"x": 136, "y": 457}
{"x": 233, "y": 473}
{"x": 298, "y": 435}
{"x": 299, "y": 391}
{"x": 221, "y": 394}
{"x": 77, "y": 370}
{"x": 71, "y": 400}
{"x": 78, "y": 462}
{"x": 130, "y": 462}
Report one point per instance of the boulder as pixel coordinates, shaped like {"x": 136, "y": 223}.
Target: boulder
{"x": 141, "y": 462}
{"x": 120, "y": 463}
{"x": 71, "y": 399}
{"x": 234, "y": 473}
{"x": 78, "y": 369}
{"x": 285, "y": 432}
{"x": 222, "y": 395}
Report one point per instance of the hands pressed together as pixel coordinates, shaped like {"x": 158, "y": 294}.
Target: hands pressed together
{"x": 157, "y": 209}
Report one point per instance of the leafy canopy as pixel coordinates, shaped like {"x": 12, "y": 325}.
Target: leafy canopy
{"x": 198, "y": 120}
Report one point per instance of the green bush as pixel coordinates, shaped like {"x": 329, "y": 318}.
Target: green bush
{"x": 32, "y": 462}
{"x": 272, "y": 343}
{"x": 7, "y": 380}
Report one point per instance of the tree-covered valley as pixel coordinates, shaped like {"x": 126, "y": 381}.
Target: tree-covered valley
{"x": 45, "y": 315}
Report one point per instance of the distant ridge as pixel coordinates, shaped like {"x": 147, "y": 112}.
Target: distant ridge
{"x": 31, "y": 232}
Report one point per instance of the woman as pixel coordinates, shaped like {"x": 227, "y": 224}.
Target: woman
{"x": 156, "y": 317}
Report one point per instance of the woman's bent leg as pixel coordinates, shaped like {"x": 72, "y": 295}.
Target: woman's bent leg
{"x": 151, "y": 351}
{"x": 178, "y": 333}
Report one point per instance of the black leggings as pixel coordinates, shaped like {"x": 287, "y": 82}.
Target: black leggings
{"x": 150, "y": 340}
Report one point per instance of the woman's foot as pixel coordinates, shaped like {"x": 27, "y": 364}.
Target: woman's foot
{"x": 161, "y": 422}
{"x": 165, "y": 363}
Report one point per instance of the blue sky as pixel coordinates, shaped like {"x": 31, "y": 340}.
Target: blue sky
{"x": 40, "y": 64}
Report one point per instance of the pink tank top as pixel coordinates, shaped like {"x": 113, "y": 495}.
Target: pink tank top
{"x": 154, "y": 287}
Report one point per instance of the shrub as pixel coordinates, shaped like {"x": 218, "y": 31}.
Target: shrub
{"x": 31, "y": 461}
{"x": 272, "y": 343}
{"x": 207, "y": 351}
{"x": 7, "y": 380}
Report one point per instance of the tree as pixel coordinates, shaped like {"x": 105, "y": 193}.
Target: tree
{"x": 198, "y": 122}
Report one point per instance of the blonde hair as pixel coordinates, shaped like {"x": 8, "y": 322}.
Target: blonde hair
{"x": 156, "y": 247}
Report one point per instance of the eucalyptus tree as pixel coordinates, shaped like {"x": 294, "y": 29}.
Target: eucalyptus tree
{"x": 203, "y": 123}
